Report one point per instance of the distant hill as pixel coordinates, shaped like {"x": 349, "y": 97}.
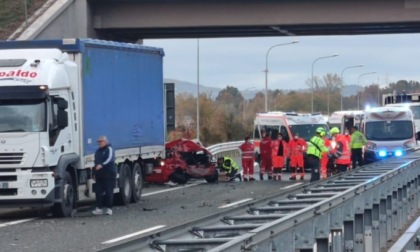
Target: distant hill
{"x": 191, "y": 88}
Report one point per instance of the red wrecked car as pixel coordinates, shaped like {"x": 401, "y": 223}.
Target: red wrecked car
{"x": 185, "y": 159}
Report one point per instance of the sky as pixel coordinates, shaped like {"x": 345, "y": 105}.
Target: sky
{"x": 240, "y": 62}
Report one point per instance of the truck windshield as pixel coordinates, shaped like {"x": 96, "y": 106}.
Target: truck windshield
{"x": 391, "y": 130}
{"x": 22, "y": 116}
{"x": 306, "y": 131}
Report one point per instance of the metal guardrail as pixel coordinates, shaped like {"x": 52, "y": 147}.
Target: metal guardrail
{"x": 410, "y": 240}
{"x": 359, "y": 210}
{"x": 230, "y": 149}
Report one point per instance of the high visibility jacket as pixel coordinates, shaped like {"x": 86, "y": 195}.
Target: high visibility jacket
{"x": 247, "y": 150}
{"x": 297, "y": 146}
{"x": 316, "y": 147}
{"x": 358, "y": 140}
{"x": 277, "y": 151}
{"x": 265, "y": 147}
{"x": 233, "y": 165}
{"x": 342, "y": 150}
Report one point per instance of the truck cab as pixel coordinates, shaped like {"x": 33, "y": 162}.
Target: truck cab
{"x": 390, "y": 131}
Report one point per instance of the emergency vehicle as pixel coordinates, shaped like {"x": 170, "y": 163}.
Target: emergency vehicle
{"x": 411, "y": 101}
{"x": 390, "y": 132}
{"x": 345, "y": 119}
{"x": 287, "y": 123}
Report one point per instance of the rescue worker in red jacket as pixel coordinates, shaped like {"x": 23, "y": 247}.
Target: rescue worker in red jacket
{"x": 247, "y": 151}
{"x": 342, "y": 152}
{"x": 266, "y": 165}
{"x": 324, "y": 159}
{"x": 297, "y": 147}
{"x": 348, "y": 138}
{"x": 279, "y": 152}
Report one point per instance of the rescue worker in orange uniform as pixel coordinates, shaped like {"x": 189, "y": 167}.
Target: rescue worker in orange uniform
{"x": 247, "y": 151}
{"x": 342, "y": 152}
{"x": 266, "y": 165}
{"x": 324, "y": 159}
{"x": 348, "y": 138}
{"x": 279, "y": 152}
{"x": 297, "y": 147}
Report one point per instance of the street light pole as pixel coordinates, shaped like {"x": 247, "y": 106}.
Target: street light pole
{"x": 358, "y": 81}
{"x": 245, "y": 104}
{"x": 312, "y": 78}
{"x": 198, "y": 90}
{"x": 342, "y": 82}
{"x": 266, "y": 70}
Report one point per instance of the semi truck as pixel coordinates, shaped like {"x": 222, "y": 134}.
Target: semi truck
{"x": 56, "y": 98}
{"x": 390, "y": 132}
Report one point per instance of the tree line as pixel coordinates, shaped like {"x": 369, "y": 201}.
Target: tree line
{"x": 230, "y": 117}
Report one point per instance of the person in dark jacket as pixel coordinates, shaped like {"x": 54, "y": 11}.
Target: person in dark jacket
{"x": 106, "y": 174}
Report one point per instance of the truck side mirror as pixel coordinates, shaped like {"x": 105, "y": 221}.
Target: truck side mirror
{"x": 62, "y": 119}
{"x": 62, "y": 104}
{"x": 418, "y": 135}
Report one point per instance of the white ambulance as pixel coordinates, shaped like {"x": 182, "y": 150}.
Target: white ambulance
{"x": 390, "y": 131}
{"x": 287, "y": 123}
{"x": 345, "y": 119}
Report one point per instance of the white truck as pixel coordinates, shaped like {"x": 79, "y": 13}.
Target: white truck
{"x": 56, "y": 98}
{"x": 390, "y": 131}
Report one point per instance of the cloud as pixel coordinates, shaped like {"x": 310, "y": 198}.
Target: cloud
{"x": 241, "y": 61}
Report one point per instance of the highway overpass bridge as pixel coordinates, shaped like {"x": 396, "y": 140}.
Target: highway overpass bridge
{"x": 131, "y": 20}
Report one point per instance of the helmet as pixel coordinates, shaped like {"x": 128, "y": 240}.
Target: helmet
{"x": 320, "y": 130}
{"x": 334, "y": 130}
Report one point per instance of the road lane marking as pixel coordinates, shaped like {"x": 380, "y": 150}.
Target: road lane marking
{"x": 133, "y": 234}
{"x": 16, "y": 222}
{"x": 235, "y": 203}
{"x": 167, "y": 190}
{"x": 291, "y": 186}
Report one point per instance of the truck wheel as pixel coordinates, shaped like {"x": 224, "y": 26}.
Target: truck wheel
{"x": 213, "y": 178}
{"x": 123, "y": 198}
{"x": 68, "y": 197}
{"x": 137, "y": 183}
{"x": 179, "y": 176}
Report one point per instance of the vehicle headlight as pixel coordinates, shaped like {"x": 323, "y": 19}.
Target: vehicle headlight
{"x": 398, "y": 153}
{"x": 382, "y": 153}
{"x": 162, "y": 163}
{"x": 39, "y": 183}
{"x": 370, "y": 146}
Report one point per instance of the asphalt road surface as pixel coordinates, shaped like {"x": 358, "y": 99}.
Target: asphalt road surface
{"x": 160, "y": 207}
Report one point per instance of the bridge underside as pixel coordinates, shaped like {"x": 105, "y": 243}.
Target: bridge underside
{"x": 139, "y": 19}
{"x": 258, "y": 31}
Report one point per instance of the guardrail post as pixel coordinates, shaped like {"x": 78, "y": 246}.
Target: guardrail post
{"x": 304, "y": 236}
{"x": 336, "y": 226}
{"x": 282, "y": 242}
{"x": 394, "y": 214}
{"x": 400, "y": 209}
{"x": 384, "y": 224}
{"x": 322, "y": 225}
{"x": 368, "y": 240}
{"x": 348, "y": 216}
{"x": 358, "y": 233}
{"x": 375, "y": 228}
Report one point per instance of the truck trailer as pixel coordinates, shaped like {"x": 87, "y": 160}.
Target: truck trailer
{"x": 56, "y": 98}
